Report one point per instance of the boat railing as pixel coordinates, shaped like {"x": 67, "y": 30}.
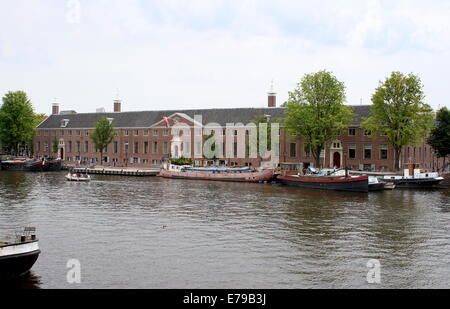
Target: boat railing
{"x": 27, "y": 234}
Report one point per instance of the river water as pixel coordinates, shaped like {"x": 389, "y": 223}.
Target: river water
{"x": 160, "y": 233}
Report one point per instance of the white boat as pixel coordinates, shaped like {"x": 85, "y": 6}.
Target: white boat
{"x": 17, "y": 257}
{"x": 78, "y": 177}
{"x": 419, "y": 179}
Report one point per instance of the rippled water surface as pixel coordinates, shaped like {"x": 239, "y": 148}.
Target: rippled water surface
{"x": 159, "y": 233}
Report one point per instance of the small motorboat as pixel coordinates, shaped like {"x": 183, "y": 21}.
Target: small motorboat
{"x": 375, "y": 184}
{"x": 19, "y": 256}
{"x": 78, "y": 177}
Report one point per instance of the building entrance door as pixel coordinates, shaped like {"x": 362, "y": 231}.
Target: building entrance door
{"x": 337, "y": 160}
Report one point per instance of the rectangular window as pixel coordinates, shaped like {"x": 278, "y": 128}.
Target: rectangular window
{"x": 145, "y": 132}
{"x": 86, "y": 146}
{"x": 79, "y": 132}
{"x": 45, "y": 146}
{"x": 367, "y": 152}
{"x": 166, "y": 147}
{"x": 38, "y": 146}
{"x": 126, "y": 147}
{"x": 384, "y": 152}
{"x": 136, "y": 147}
{"x": 352, "y": 132}
{"x": 165, "y": 132}
{"x": 136, "y": 132}
{"x": 69, "y": 132}
{"x": 155, "y": 147}
{"x": 352, "y": 151}
{"x": 156, "y": 133}
{"x": 198, "y": 132}
{"x": 126, "y": 132}
{"x": 307, "y": 151}
{"x": 145, "y": 147}
{"x": 70, "y": 146}
{"x": 293, "y": 150}
{"x": 62, "y": 132}
{"x": 198, "y": 148}
{"x": 367, "y": 133}
{"x": 78, "y": 147}
{"x": 187, "y": 149}
{"x": 86, "y": 133}
{"x": 115, "y": 148}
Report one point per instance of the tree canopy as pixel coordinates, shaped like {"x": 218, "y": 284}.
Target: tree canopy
{"x": 316, "y": 111}
{"x": 17, "y": 121}
{"x": 103, "y": 135}
{"x": 439, "y": 137}
{"x": 399, "y": 112}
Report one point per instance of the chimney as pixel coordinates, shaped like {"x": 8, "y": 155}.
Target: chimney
{"x": 272, "y": 100}
{"x": 117, "y": 106}
{"x": 272, "y": 97}
{"x": 55, "y": 109}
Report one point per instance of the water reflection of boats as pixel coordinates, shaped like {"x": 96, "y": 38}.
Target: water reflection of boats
{"x": 27, "y": 281}
{"x": 19, "y": 256}
{"x": 246, "y": 174}
{"x": 327, "y": 179}
{"x": 31, "y": 165}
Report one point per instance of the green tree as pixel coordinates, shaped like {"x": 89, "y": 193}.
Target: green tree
{"x": 55, "y": 145}
{"x": 399, "y": 112}
{"x": 103, "y": 135}
{"x": 316, "y": 111}
{"x": 439, "y": 137}
{"x": 17, "y": 121}
{"x": 39, "y": 118}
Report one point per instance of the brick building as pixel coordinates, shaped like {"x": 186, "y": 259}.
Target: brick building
{"x": 145, "y": 140}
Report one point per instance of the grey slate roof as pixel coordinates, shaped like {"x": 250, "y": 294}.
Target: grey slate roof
{"x": 146, "y": 119}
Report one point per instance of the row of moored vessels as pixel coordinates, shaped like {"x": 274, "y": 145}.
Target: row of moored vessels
{"x": 325, "y": 179}
{"x": 30, "y": 165}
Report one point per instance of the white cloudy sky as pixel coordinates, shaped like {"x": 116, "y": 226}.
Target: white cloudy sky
{"x": 173, "y": 54}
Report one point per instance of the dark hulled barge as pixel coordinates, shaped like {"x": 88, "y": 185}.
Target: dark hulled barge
{"x": 31, "y": 165}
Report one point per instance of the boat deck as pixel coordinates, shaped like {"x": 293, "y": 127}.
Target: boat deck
{"x": 118, "y": 171}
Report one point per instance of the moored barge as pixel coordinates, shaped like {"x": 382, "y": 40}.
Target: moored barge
{"x": 327, "y": 181}
{"x": 216, "y": 173}
{"x": 419, "y": 179}
{"x": 31, "y": 165}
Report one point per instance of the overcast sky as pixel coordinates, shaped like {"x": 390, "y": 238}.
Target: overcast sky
{"x": 170, "y": 54}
